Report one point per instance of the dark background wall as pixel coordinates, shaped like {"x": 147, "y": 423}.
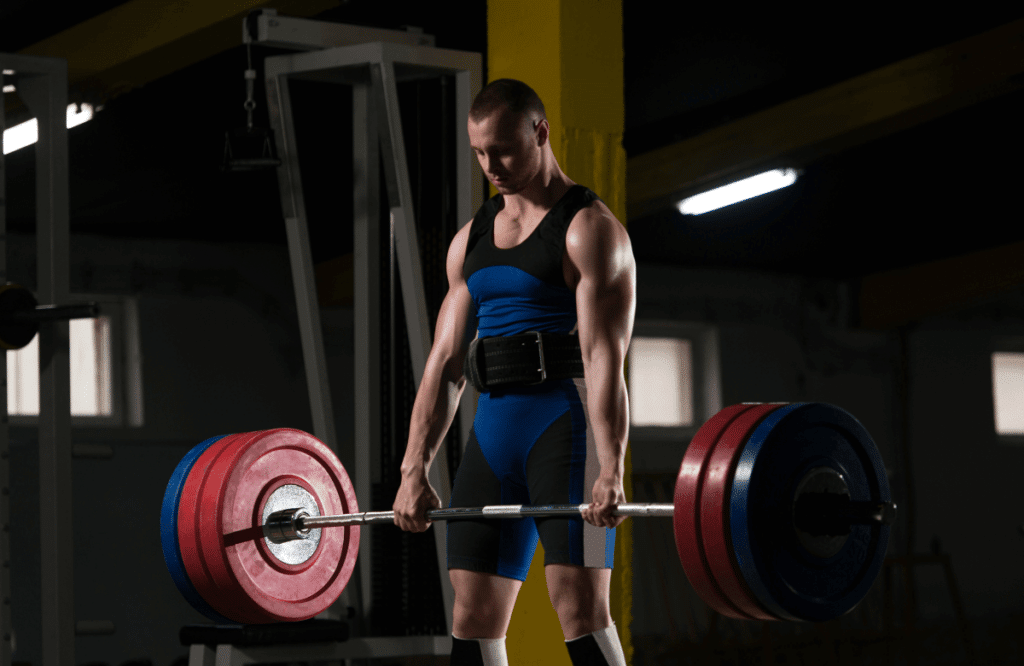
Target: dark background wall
{"x": 776, "y": 278}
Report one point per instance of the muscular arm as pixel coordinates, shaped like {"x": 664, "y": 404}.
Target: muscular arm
{"x": 599, "y": 249}
{"x": 438, "y": 396}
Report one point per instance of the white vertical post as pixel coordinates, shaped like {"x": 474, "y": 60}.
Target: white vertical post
{"x": 6, "y": 623}
{"x": 469, "y": 198}
{"x": 411, "y": 271}
{"x": 303, "y": 278}
{"x": 294, "y": 210}
{"x": 366, "y": 317}
{"x": 46, "y": 97}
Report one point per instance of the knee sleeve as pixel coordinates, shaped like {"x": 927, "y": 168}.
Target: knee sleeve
{"x": 601, "y": 648}
{"x": 478, "y": 652}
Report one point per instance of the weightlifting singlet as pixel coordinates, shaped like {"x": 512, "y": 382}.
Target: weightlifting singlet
{"x": 531, "y": 444}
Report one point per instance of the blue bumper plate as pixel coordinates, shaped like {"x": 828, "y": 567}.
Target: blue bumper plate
{"x": 789, "y": 580}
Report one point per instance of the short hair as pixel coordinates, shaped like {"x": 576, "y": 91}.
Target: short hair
{"x": 510, "y": 94}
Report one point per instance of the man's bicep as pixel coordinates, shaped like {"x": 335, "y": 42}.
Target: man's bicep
{"x": 605, "y": 313}
{"x": 456, "y": 321}
{"x": 605, "y": 294}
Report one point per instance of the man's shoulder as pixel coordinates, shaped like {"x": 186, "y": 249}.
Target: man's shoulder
{"x": 596, "y": 217}
{"x": 595, "y": 231}
{"x": 462, "y": 235}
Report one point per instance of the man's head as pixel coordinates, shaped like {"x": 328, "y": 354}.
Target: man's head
{"x": 508, "y": 131}
{"x": 511, "y": 95}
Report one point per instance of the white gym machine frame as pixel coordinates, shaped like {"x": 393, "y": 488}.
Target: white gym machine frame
{"x": 372, "y": 62}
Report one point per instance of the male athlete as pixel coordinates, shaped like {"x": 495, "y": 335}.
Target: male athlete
{"x": 544, "y": 271}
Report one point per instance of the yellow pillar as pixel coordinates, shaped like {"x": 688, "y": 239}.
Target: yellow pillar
{"x": 570, "y": 52}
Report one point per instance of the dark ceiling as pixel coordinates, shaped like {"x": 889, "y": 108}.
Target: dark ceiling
{"x": 147, "y": 165}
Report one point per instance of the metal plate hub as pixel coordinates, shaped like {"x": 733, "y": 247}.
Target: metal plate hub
{"x": 820, "y": 480}
{"x": 291, "y": 496}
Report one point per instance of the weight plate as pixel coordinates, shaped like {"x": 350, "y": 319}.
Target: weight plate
{"x": 251, "y": 583}
{"x": 686, "y": 516}
{"x": 787, "y": 579}
{"x": 189, "y": 504}
{"x": 16, "y": 334}
{"x": 169, "y": 531}
{"x": 714, "y": 511}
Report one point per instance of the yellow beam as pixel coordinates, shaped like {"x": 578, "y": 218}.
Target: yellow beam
{"x": 864, "y": 108}
{"x": 143, "y": 40}
{"x": 897, "y": 297}
{"x": 571, "y": 53}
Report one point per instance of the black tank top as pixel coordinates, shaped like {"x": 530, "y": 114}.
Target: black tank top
{"x": 523, "y": 288}
{"x": 541, "y": 253}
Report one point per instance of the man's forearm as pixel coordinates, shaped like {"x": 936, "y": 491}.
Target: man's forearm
{"x": 432, "y": 415}
{"x": 609, "y": 414}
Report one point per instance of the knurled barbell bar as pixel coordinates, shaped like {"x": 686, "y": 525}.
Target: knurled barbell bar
{"x": 817, "y": 514}
{"x": 781, "y": 512}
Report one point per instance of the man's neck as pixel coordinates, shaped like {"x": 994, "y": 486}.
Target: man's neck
{"x": 540, "y": 195}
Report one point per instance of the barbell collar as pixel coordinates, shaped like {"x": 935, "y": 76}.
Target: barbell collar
{"x": 284, "y": 526}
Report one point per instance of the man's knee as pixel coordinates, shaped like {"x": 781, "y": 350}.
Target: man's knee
{"x": 483, "y": 604}
{"x": 478, "y": 620}
{"x": 572, "y": 585}
{"x": 579, "y": 597}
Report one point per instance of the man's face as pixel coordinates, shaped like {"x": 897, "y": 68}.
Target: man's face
{"x": 508, "y": 149}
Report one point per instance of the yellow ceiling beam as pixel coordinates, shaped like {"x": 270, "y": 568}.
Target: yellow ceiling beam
{"x": 143, "y": 40}
{"x": 897, "y": 297}
{"x": 861, "y": 109}
{"x": 135, "y": 29}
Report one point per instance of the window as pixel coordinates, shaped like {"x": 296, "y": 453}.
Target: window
{"x": 673, "y": 380}
{"x": 661, "y": 382}
{"x": 90, "y": 371}
{"x": 105, "y": 369}
{"x": 27, "y": 133}
{"x": 1008, "y": 392}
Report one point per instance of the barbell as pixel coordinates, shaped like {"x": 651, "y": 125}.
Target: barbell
{"x": 781, "y": 512}
{"x": 21, "y": 315}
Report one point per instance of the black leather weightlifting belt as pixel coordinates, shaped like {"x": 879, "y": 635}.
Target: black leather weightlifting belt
{"x": 522, "y": 360}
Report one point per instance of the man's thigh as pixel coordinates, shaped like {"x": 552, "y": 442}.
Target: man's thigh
{"x": 488, "y": 546}
{"x": 562, "y": 469}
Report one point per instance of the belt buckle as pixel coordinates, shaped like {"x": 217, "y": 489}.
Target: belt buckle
{"x": 540, "y": 352}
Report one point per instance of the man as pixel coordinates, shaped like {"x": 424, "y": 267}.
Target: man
{"x": 543, "y": 255}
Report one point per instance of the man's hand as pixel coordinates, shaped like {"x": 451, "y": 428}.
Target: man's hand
{"x": 608, "y": 494}
{"x": 415, "y": 497}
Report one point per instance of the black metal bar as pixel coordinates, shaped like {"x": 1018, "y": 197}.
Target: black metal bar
{"x": 56, "y": 312}
{"x": 834, "y": 514}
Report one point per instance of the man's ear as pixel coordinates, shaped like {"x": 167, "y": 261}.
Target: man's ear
{"x": 543, "y": 130}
